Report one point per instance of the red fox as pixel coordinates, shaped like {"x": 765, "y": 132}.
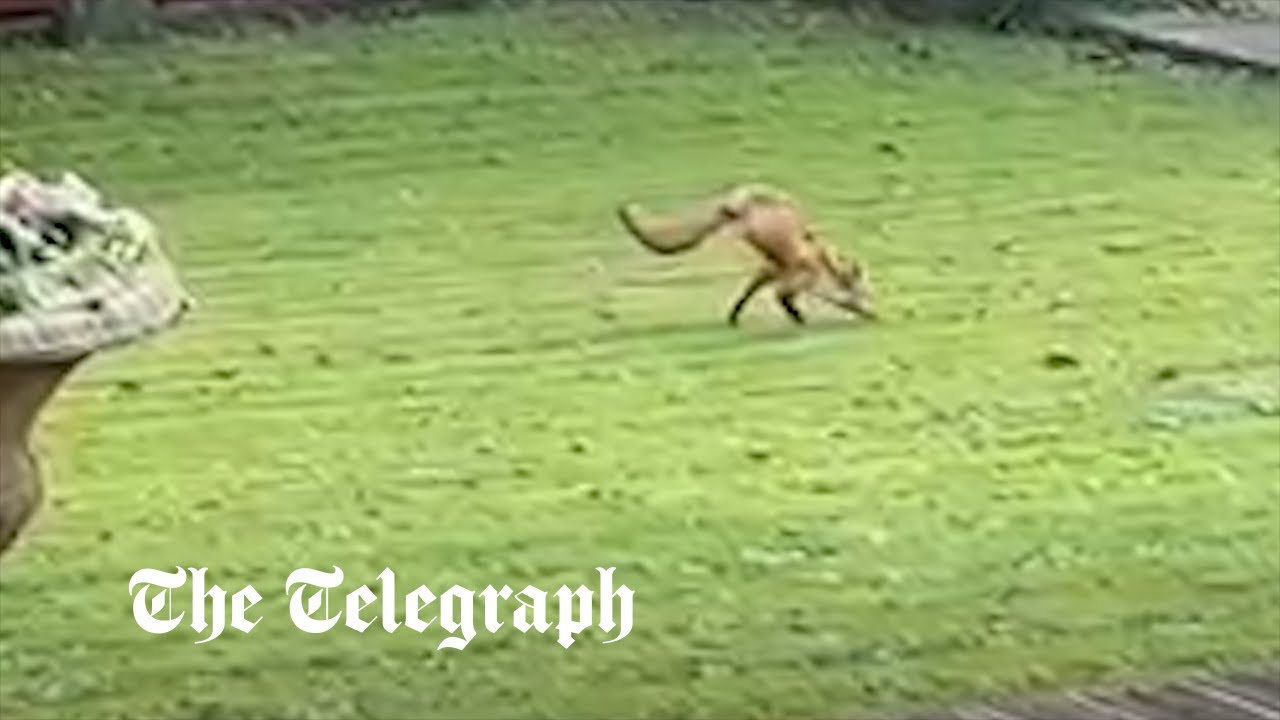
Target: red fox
{"x": 795, "y": 260}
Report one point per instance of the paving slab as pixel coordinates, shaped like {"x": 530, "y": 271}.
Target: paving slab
{"x": 1253, "y": 43}
{"x": 1251, "y": 693}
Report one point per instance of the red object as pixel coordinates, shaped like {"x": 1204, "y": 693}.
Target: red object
{"x": 22, "y": 8}
{"x": 24, "y": 11}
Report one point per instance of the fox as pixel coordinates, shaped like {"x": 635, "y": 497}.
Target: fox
{"x": 795, "y": 259}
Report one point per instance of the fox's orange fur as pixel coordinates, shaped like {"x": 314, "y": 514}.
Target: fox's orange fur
{"x": 795, "y": 260}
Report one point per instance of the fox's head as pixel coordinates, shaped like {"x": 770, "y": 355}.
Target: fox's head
{"x": 853, "y": 279}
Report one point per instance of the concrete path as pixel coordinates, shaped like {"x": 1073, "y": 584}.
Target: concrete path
{"x": 1247, "y": 694}
{"x": 1251, "y": 43}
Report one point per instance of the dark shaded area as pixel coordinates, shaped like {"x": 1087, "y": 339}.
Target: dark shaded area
{"x": 71, "y": 22}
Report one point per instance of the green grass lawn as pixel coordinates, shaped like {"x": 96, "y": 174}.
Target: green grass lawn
{"x": 424, "y": 343}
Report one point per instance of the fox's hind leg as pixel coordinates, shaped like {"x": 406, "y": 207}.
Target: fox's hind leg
{"x": 762, "y": 277}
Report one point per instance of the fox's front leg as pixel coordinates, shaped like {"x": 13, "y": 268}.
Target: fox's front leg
{"x": 762, "y": 277}
{"x": 790, "y": 287}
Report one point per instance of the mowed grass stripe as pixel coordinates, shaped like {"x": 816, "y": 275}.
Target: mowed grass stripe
{"x": 247, "y": 389}
{"x": 410, "y": 359}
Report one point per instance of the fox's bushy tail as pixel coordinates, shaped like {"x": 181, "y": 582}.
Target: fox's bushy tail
{"x": 667, "y": 235}
{"x": 675, "y": 233}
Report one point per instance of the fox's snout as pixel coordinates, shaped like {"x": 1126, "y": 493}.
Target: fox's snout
{"x": 861, "y": 298}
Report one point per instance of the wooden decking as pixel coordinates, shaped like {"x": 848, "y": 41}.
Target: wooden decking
{"x": 1252, "y": 694}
